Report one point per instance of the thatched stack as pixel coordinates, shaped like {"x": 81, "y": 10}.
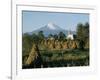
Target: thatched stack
{"x": 69, "y": 42}
{"x": 51, "y": 44}
{"x": 33, "y": 55}
{"x": 45, "y": 42}
{"x": 74, "y": 45}
{"x": 58, "y": 45}
{"x": 65, "y": 45}
{"x": 48, "y": 43}
{"x": 42, "y": 42}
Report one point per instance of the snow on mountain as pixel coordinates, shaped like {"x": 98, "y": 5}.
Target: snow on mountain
{"x": 50, "y": 28}
{"x": 53, "y": 26}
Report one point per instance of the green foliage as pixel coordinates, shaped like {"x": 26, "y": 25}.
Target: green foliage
{"x": 26, "y": 43}
{"x": 55, "y": 36}
{"x": 86, "y": 30}
{"x": 40, "y": 36}
{"x": 66, "y": 58}
{"x": 83, "y": 34}
{"x": 35, "y": 38}
{"x": 50, "y": 36}
{"x": 82, "y": 31}
{"x": 61, "y": 36}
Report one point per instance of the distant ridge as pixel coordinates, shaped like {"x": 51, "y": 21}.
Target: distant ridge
{"x": 50, "y": 28}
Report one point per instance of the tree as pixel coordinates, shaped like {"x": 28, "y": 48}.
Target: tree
{"x": 81, "y": 44}
{"x": 26, "y": 43}
{"x": 83, "y": 34}
{"x": 35, "y": 38}
{"x": 86, "y": 35}
{"x": 83, "y": 31}
{"x": 41, "y": 35}
{"x": 50, "y": 36}
{"x": 61, "y": 36}
{"x": 80, "y": 31}
{"x": 55, "y": 36}
{"x": 86, "y": 30}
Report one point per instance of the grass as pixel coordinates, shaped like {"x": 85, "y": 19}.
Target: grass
{"x": 64, "y": 58}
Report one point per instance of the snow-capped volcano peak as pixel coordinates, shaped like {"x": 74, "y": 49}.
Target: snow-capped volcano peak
{"x": 52, "y": 26}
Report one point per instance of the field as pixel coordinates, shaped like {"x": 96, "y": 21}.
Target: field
{"x": 63, "y": 58}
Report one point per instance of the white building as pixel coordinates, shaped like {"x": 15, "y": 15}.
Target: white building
{"x": 70, "y": 36}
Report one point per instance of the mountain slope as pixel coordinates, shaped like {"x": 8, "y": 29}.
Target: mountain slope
{"x": 50, "y": 28}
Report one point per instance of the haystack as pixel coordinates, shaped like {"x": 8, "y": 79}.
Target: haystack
{"x": 58, "y": 45}
{"x": 34, "y": 56}
{"x": 65, "y": 45}
{"x": 74, "y": 45}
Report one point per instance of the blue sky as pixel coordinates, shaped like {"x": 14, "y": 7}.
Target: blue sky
{"x": 33, "y": 20}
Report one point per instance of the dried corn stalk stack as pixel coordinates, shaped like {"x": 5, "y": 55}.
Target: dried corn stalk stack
{"x": 65, "y": 45}
{"x": 51, "y": 45}
{"x": 74, "y": 45}
{"x": 34, "y": 56}
{"x": 58, "y": 45}
{"x": 69, "y": 42}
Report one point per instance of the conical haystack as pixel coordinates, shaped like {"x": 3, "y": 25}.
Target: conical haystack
{"x": 74, "y": 45}
{"x": 64, "y": 45}
{"x": 58, "y": 45}
{"x": 33, "y": 55}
